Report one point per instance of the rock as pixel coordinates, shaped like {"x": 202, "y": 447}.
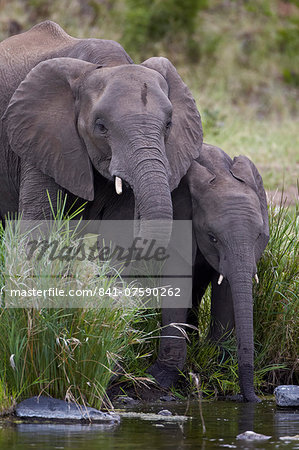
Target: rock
{"x": 165, "y": 412}
{"x": 126, "y": 400}
{"x": 252, "y": 436}
{"x": 167, "y": 398}
{"x": 228, "y": 446}
{"x": 58, "y": 410}
{"x": 287, "y": 395}
{"x": 154, "y": 417}
{"x": 290, "y": 438}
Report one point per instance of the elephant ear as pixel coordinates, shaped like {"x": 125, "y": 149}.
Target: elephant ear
{"x": 185, "y": 139}
{"x": 199, "y": 178}
{"x": 244, "y": 170}
{"x": 41, "y": 124}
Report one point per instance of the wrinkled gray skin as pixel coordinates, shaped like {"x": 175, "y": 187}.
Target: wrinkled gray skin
{"x": 230, "y": 222}
{"x": 76, "y": 109}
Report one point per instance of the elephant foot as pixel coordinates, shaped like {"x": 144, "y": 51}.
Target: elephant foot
{"x": 165, "y": 376}
{"x": 252, "y": 398}
{"x": 240, "y": 398}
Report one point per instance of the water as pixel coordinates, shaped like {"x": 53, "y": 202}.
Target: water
{"x": 223, "y": 420}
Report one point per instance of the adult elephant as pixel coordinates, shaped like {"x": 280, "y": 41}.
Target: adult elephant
{"x": 231, "y": 227}
{"x": 73, "y": 109}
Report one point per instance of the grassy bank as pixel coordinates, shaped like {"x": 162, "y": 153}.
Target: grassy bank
{"x": 64, "y": 346}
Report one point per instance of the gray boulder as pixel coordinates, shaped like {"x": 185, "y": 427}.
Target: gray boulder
{"x": 287, "y": 395}
{"x": 167, "y": 398}
{"x": 252, "y": 436}
{"x": 125, "y": 400}
{"x": 165, "y": 412}
{"x": 58, "y": 410}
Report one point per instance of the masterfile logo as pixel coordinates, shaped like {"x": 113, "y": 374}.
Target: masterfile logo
{"x": 95, "y": 264}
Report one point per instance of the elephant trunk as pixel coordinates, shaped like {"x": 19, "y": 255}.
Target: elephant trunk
{"x": 139, "y": 158}
{"x": 153, "y": 204}
{"x": 240, "y": 280}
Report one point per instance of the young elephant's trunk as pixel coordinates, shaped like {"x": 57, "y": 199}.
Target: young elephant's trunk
{"x": 240, "y": 280}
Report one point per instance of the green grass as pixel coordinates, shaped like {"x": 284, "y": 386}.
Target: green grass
{"x": 7, "y": 399}
{"x": 69, "y": 351}
{"x": 277, "y": 299}
{"x": 64, "y": 353}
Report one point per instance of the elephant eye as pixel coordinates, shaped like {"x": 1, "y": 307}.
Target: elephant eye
{"x": 168, "y": 125}
{"x": 100, "y": 126}
{"x": 212, "y": 238}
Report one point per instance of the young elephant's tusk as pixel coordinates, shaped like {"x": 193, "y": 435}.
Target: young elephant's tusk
{"x": 118, "y": 185}
{"x": 256, "y": 278}
{"x": 220, "y": 279}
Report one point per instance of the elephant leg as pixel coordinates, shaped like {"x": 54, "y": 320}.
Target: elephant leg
{"x": 222, "y": 310}
{"x": 202, "y": 276}
{"x": 37, "y": 192}
{"x": 173, "y": 347}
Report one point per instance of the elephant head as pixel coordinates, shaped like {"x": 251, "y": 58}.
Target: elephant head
{"x": 230, "y": 220}
{"x": 136, "y": 123}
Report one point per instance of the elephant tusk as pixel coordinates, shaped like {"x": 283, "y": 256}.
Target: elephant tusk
{"x": 118, "y": 185}
{"x": 220, "y": 279}
{"x": 256, "y": 278}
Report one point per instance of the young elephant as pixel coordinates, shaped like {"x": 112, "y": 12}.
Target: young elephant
{"x": 230, "y": 222}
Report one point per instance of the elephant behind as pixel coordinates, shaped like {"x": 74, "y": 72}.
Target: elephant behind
{"x": 75, "y": 110}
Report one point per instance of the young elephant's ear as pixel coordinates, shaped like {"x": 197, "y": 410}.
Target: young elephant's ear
{"x": 185, "y": 139}
{"x": 198, "y": 179}
{"x": 41, "y": 124}
{"x": 244, "y": 170}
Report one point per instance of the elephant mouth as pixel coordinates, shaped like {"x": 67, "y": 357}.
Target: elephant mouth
{"x": 221, "y": 278}
{"x": 120, "y": 184}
